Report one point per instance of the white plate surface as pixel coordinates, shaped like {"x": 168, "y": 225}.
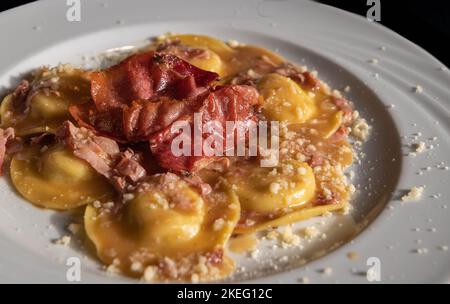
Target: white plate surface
{"x": 337, "y": 44}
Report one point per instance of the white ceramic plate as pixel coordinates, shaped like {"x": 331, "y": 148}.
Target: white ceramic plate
{"x": 337, "y": 44}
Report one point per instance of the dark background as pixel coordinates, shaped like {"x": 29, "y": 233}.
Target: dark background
{"x": 425, "y": 22}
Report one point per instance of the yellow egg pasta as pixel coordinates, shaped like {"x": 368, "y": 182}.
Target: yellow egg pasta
{"x": 54, "y": 178}
{"x": 50, "y": 94}
{"x": 268, "y": 194}
{"x": 166, "y": 219}
{"x": 284, "y": 100}
{"x": 267, "y": 190}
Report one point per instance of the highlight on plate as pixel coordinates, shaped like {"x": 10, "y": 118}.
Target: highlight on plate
{"x": 102, "y": 140}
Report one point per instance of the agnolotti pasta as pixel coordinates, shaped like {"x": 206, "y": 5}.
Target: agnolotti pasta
{"x": 284, "y": 100}
{"x": 267, "y": 195}
{"x": 49, "y": 95}
{"x": 215, "y": 53}
{"x": 54, "y": 178}
{"x": 165, "y": 221}
{"x": 100, "y": 141}
{"x": 266, "y": 190}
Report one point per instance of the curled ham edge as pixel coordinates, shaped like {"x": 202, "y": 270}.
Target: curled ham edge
{"x": 103, "y": 155}
{"x": 123, "y": 169}
{"x": 5, "y": 136}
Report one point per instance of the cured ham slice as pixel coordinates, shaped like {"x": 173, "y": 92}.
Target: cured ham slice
{"x": 141, "y": 98}
{"x": 143, "y": 118}
{"x": 145, "y": 77}
{"x": 225, "y": 104}
{"x": 103, "y": 154}
{"x": 5, "y": 136}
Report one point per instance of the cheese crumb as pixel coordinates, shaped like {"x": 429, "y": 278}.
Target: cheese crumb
{"x": 113, "y": 267}
{"x": 414, "y": 194}
{"x": 97, "y": 204}
{"x": 272, "y": 235}
{"x": 233, "y": 43}
{"x": 302, "y": 171}
{"x": 327, "y": 271}
{"x": 443, "y": 248}
{"x": 352, "y": 255}
{"x": 336, "y": 94}
{"x": 346, "y": 209}
{"x": 254, "y": 254}
{"x": 128, "y": 197}
{"x": 418, "y": 89}
{"x": 421, "y": 251}
{"x": 74, "y": 228}
{"x": 303, "y": 280}
{"x": 420, "y": 147}
{"x": 361, "y": 129}
{"x": 274, "y": 188}
{"x": 150, "y": 273}
{"x": 218, "y": 224}
{"x": 65, "y": 240}
{"x": 289, "y": 238}
{"x": 136, "y": 267}
{"x": 310, "y": 232}
{"x": 327, "y": 214}
{"x": 43, "y": 149}
{"x": 195, "y": 278}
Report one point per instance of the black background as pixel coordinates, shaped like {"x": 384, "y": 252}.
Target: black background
{"x": 426, "y": 23}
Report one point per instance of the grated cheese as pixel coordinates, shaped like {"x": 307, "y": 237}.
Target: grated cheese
{"x": 361, "y": 129}
{"x": 65, "y": 240}
{"x": 414, "y": 194}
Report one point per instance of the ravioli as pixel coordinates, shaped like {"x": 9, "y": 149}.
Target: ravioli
{"x": 284, "y": 100}
{"x": 166, "y": 219}
{"x": 199, "y": 41}
{"x": 52, "y": 92}
{"x": 329, "y": 117}
{"x": 271, "y": 193}
{"x": 53, "y": 178}
{"x": 215, "y": 52}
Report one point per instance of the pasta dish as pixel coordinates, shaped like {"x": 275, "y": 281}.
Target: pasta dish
{"x": 103, "y": 140}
